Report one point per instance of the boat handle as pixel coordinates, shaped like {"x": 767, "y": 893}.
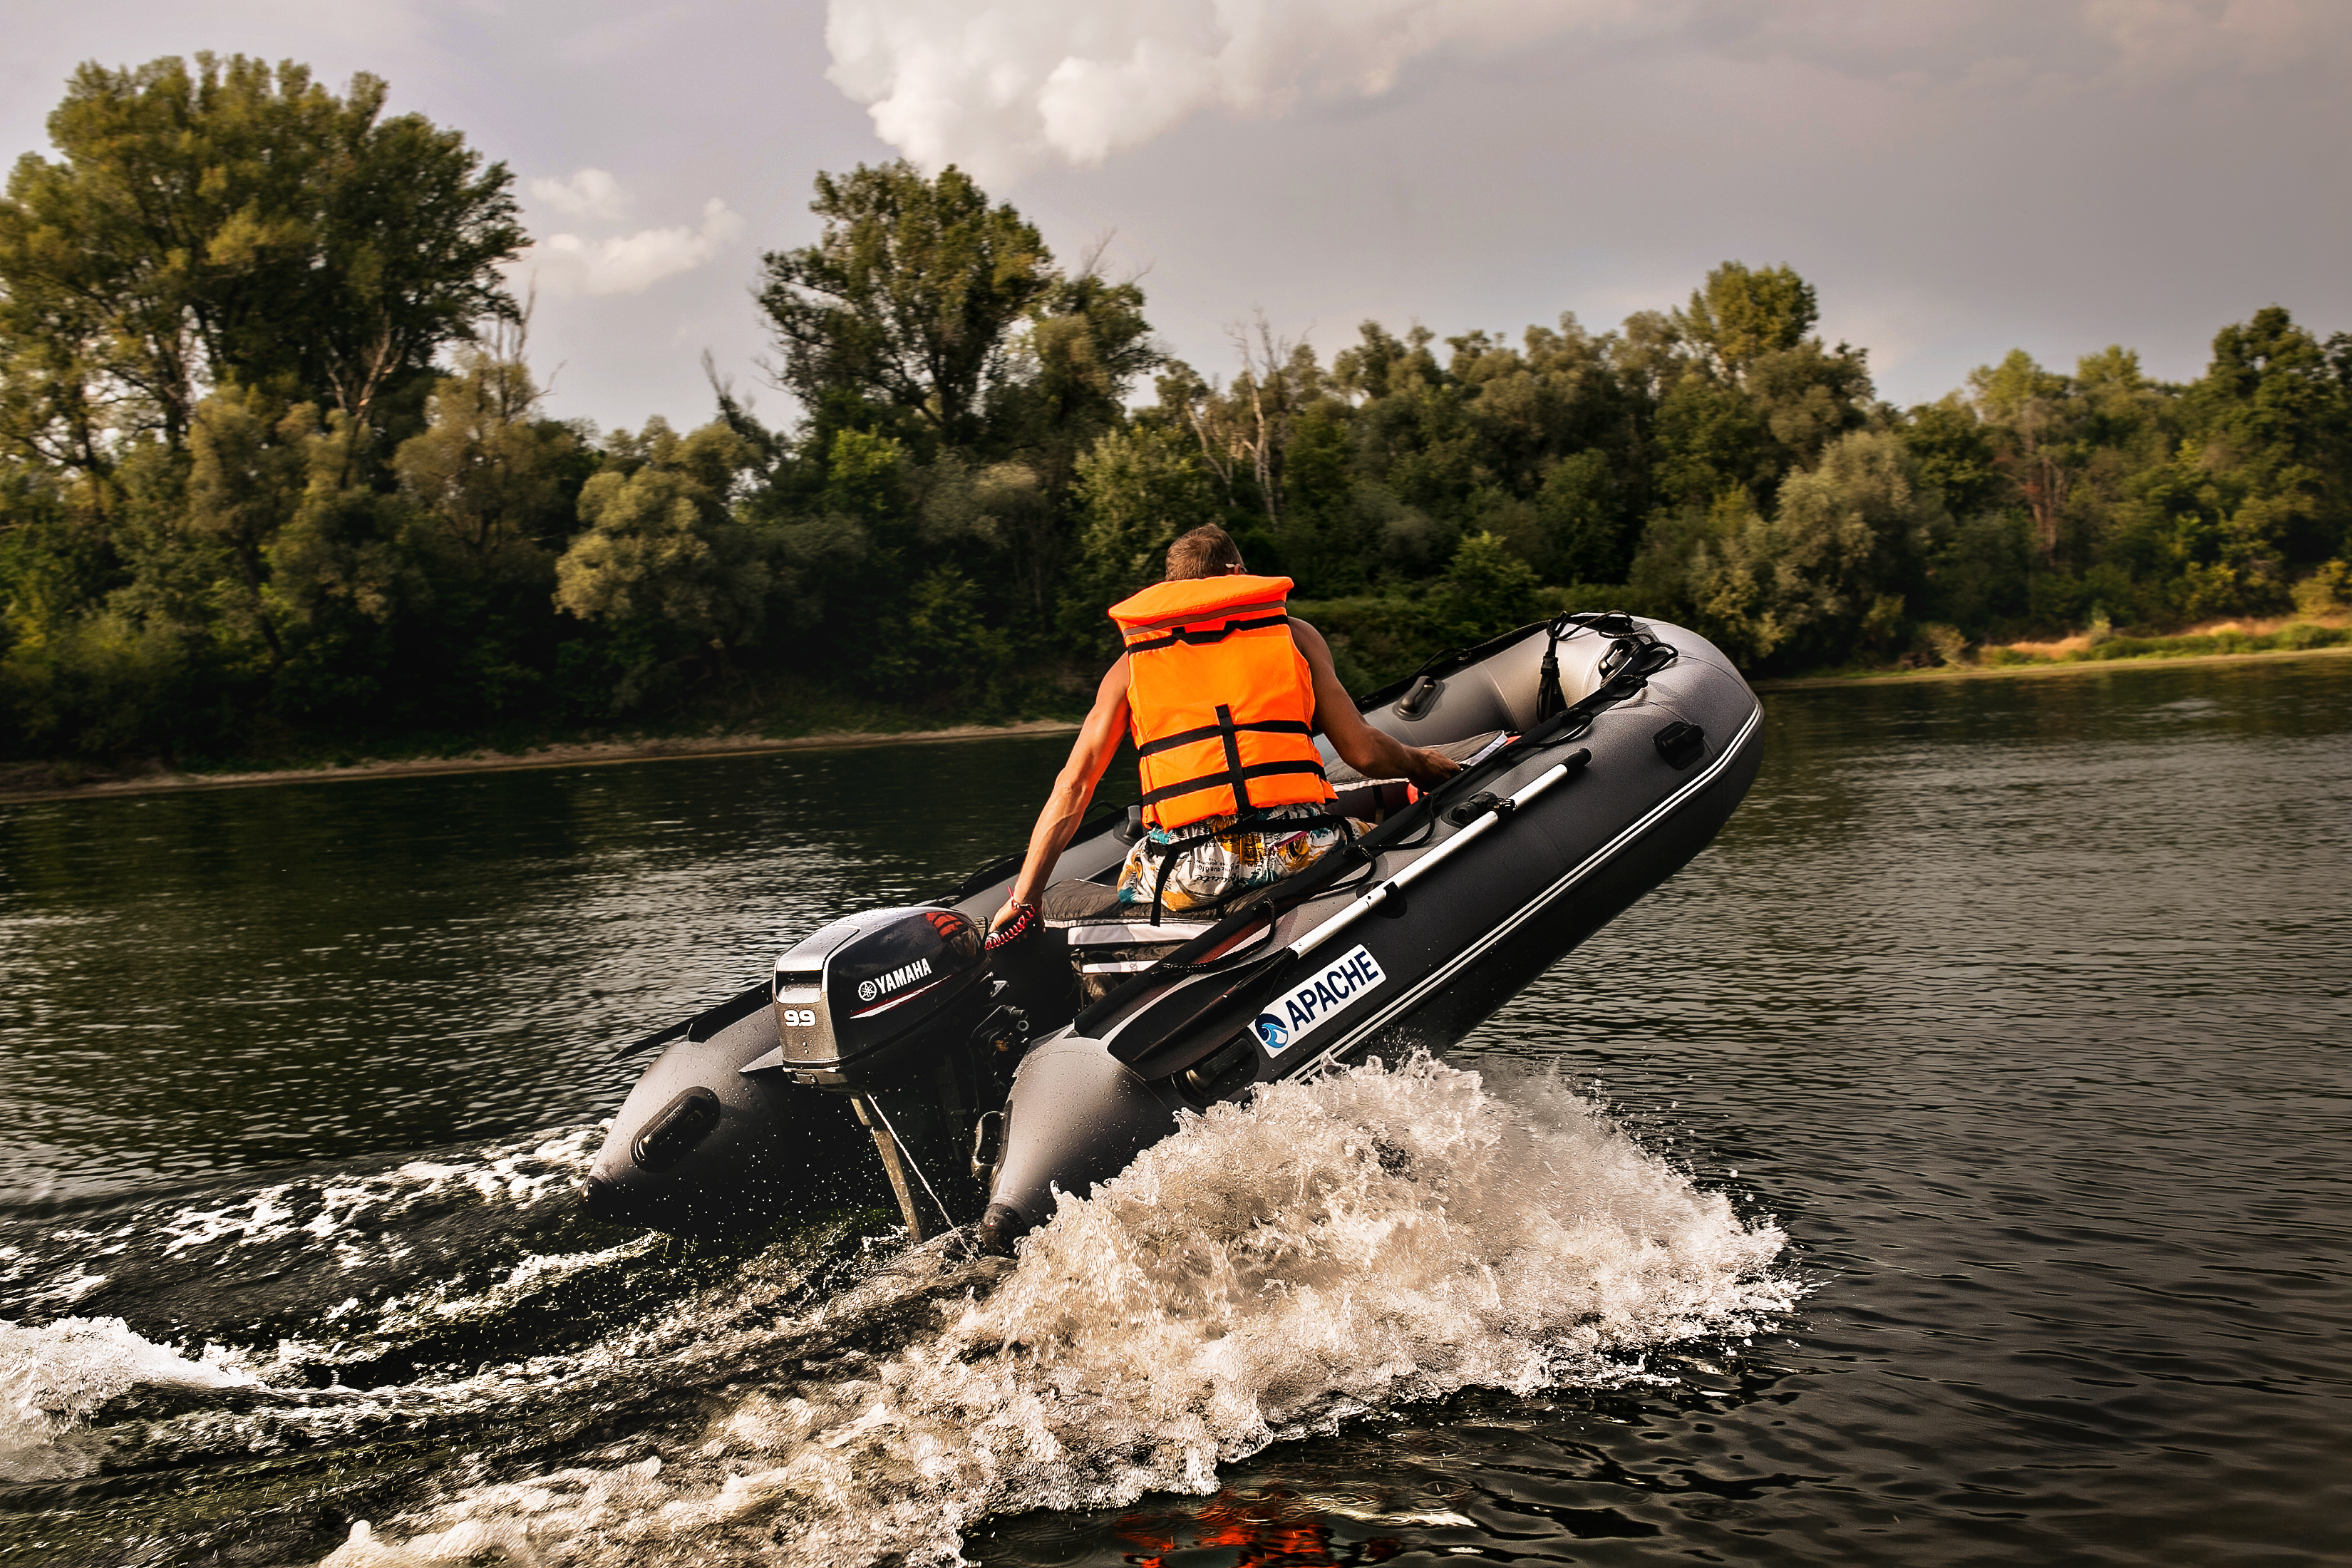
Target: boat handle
{"x": 1395, "y": 886}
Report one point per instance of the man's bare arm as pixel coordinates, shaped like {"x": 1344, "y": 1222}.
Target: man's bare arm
{"x": 1372, "y": 752}
{"x": 1066, "y": 807}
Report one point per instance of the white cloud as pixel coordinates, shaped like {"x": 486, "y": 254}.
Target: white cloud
{"x": 590, "y": 192}
{"x": 1000, "y": 85}
{"x": 566, "y": 264}
{"x": 2167, "y": 39}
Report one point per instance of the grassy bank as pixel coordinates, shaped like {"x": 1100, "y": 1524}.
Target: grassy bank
{"x": 31, "y": 781}
{"x": 2221, "y": 646}
{"x": 774, "y": 715}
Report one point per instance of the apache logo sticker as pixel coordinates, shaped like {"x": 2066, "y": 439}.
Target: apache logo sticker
{"x": 897, "y": 979}
{"x": 1300, "y": 1012}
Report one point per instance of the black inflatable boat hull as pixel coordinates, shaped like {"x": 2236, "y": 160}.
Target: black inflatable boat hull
{"x": 1566, "y": 863}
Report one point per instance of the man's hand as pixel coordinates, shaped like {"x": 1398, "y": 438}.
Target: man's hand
{"x": 1427, "y": 766}
{"x": 1005, "y": 916}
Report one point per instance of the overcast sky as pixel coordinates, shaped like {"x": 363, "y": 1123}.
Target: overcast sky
{"x": 1957, "y": 177}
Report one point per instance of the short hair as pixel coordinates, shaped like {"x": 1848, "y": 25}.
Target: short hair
{"x": 1206, "y": 551}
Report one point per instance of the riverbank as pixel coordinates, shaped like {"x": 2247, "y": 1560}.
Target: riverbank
{"x": 28, "y": 782}
{"x": 40, "y": 781}
{"x": 2076, "y": 665}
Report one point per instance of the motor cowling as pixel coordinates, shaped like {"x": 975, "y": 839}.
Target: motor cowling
{"x": 859, "y": 1001}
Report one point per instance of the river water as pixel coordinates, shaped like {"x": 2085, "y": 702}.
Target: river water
{"x": 1952, "y": 1166}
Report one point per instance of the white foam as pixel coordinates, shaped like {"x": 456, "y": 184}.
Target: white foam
{"x": 264, "y": 1217}
{"x": 515, "y": 1176}
{"x": 1377, "y": 1238}
{"x": 52, "y": 1377}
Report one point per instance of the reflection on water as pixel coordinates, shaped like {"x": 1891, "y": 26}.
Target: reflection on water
{"x": 2020, "y": 1006}
{"x": 219, "y": 980}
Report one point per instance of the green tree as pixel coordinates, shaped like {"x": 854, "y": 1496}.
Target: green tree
{"x": 1328, "y": 542}
{"x": 487, "y": 498}
{"x": 1085, "y": 345}
{"x": 340, "y": 549}
{"x": 489, "y": 479}
{"x": 247, "y": 473}
{"x": 663, "y": 561}
{"x": 1139, "y": 489}
{"x": 1742, "y": 314}
{"x": 48, "y": 570}
{"x": 1484, "y": 590}
{"x": 1711, "y": 438}
{"x": 234, "y": 224}
{"x": 1809, "y": 396}
{"x": 1954, "y": 453}
{"x": 2276, "y": 406}
{"x": 296, "y": 554}
{"x": 908, "y": 295}
{"x": 1581, "y": 524}
{"x": 1827, "y": 575}
{"x": 939, "y": 645}
{"x": 2029, "y": 410}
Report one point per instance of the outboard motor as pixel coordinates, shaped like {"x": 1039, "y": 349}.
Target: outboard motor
{"x": 887, "y": 1008}
{"x": 865, "y": 1004}
{"x": 893, "y": 1031}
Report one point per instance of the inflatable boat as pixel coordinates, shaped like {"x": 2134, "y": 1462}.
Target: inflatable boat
{"x": 898, "y": 1055}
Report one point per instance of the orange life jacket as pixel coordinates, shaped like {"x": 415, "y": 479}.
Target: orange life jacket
{"x": 1220, "y": 699}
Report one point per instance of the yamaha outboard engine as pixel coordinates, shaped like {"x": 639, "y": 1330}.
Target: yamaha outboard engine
{"x": 886, "y": 1007}
{"x": 891, "y": 1032}
{"x": 863, "y": 1004}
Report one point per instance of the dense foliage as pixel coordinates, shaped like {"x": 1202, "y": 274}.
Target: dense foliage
{"x": 274, "y": 472}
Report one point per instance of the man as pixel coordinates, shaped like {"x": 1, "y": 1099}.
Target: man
{"x": 1224, "y": 692}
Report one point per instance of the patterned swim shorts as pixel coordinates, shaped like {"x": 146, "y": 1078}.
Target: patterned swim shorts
{"x": 1255, "y": 850}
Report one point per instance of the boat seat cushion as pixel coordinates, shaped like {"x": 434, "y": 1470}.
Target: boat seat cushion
{"x": 1344, "y": 778}
{"x": 1110, "y": 942}
{"x": 1089, "y": 915}
{"x": 1064, "y": 904}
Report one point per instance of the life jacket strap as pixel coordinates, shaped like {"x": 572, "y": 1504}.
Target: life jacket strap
{"x": 1210, "y": 732}
{"x": 1193, "y": 637}
{"x": 1256, "y": 770}
{"x": 1235, "y": 773}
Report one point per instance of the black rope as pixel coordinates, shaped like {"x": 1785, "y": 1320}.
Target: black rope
{"x": 1631, "y": 644}
{"x": 1167, "y": 854}
{"x": 1330, "y": 874}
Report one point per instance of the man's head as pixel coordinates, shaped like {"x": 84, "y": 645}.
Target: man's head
{"x": 1206, "y": 551}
